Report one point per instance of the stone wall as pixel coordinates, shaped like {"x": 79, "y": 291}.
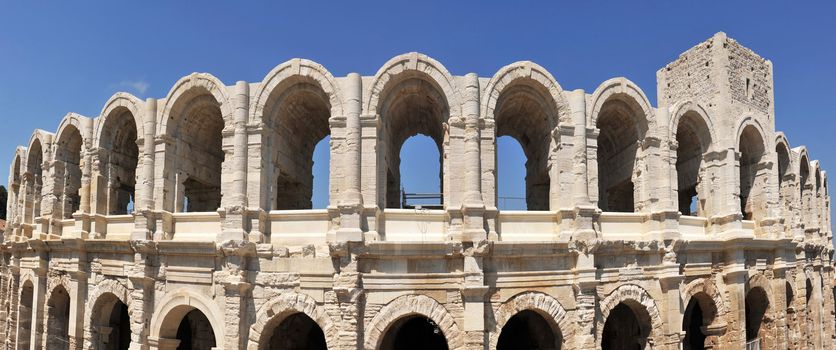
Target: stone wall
{"x": 186, "y": 221}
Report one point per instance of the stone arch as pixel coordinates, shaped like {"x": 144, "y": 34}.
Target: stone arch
{"x": 106, "y": 293}
{"x": 413, "y": 62}
{"x": 271, "y": 315}
{"x": 753, "y": 150}
{"x": 639, "y": 301}
{"x": 297, "y": 103}
{"x": 409, "y": 305}
{"x": 526, "y": 103}
{"x": 693, "y": 132}
{"x": 14, "y": 206}
{"x": 805, "y": 187}
{"x": 291, "y": 72}
{"x": 38, "y": 152}
{"x": 120, "y": 102}
{"x": 196, "y": 118}
{"x": 708, "y": 288}
{"x": 57, "y": 320}
{"x": 189, "y": 87}
{"x": 624, "y": 119}
{"x": 25, "y": 305}
{"x": 118, "y": 132}
{"x": 759, "y": 302}
{"x": 412, "y": 94}
{"x": 71, "y": 142}
{"x": 625, "y": 89}
{"x": 175, "y": 305}
{"x": 545, "y": 305}
{"x": 818, "y": 196}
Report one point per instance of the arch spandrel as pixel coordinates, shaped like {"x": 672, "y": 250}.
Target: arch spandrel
{"x": 413, "y": 62}
{"x": 524, "y": 70}
{"x": 186, "y": 89}
{"x": 286, "y": 75}
{"x": 625, "y": 90}
{"x": 75, "y": 120}
{"x": 120, "y": 101}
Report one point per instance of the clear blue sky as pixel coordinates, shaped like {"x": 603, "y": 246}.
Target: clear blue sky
{"x": 71, "y": 56}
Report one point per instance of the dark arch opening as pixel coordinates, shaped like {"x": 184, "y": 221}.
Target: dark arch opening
{"x": 195, "y": 332}
{"x": 625, "y": 328}
{"x": 790, "y": 294}
{"x": 299, "y": 117}
{"x": 751, "y": 152}
{"x": 58, "y": 319}
{"x": 692, "y": 325}
{"x": 525, "y": 111}
{"x": 198, "y": 155}
{"x": 24, "y": 316}
{"x": 618, "y": 147}
{"x": 68, "y": 171}
{"x": 693, "y": 140}
{"x": 410, "y": 104}
{"x": 805, "y": 189}
{"x": 297, "y": 332}
{"x": 415, "y": 332}
{"x": 757, "y": 304}
{"x": 34, "y": 183}
{"x": 110, "y": 319}
{"x": 527, "y": 330}
{"x": 119, "y": 138}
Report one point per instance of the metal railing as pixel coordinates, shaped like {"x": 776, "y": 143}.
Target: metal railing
{"x": 408, "y": 200}
{"x": 754, "y": 344}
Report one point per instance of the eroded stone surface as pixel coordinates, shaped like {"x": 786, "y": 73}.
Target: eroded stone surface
{"x": 186, "y": 221}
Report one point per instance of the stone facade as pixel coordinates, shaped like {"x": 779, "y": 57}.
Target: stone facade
{"x": 185, "y": 222}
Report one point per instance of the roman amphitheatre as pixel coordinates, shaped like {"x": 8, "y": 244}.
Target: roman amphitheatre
{"x": 186, "y": 221}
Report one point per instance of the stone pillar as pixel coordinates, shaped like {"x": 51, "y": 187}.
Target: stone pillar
{"x": 142, "y": 293}
{"x": 670, "y": 280}
{"x": 234, "y": 211}
{"x": 14, "y": 306}
{"x": 585, "y": 213}
{"x": 144, "y": 207}
{"x": 78, "y": 296}
{"x": 236, "y": 289}
{"x": 38, "y": 314}
{"x": 350, "y": 204}
{"x": 735, "y": 274}
{"x": 726, "y": 220}
{"x": 587, "y": 301}
{"x": 349, "y": 294}
{"x": 473, "y": 208}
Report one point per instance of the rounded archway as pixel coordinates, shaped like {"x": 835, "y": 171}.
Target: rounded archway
{"x": 186, "y": 317}
{"x": 58, "y": 319}
{"x": 526, "y": 112}
{"x": 24, "y": 316}
{"x": 194, "y": 331}
{"x": 693, "y": 139}
{"x": 111, "y": 324}
{"x": 699, "y": 315}
{"x": 67, "y": 170}
{"x": 295, "y": 332}
{"x": 627, "y": 327}
{"x": 757, "y": 304}
{"x": 118, "y": 158}
{"x": 529, "y": 330}
{"x": 414, "y": 332}
{"x": 752, "y": 177}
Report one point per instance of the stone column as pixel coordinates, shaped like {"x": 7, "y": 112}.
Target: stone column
{"x": 236, "y": 289}
{"x": 78, "y": 296}
{"x": 350, "y": 295}
{"x": 670, "y": 281}
{"x": 585, "y": 213}
{"x": 234, "y": 211}
{"x": 14, "y": 306}
{"x": 38, "y": 305}
{"x": 473, "y": 208}
{"x": 587, "y": 301}
{"x": 351, "y": 202}
{"x": 727, "y": 219}
{"x": 142, "y": 293}
{"x": 474, "y": 293}
{"x": 144, "y": 207}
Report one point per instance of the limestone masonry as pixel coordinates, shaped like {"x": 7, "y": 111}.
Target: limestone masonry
{"x": 185, "y": 222}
